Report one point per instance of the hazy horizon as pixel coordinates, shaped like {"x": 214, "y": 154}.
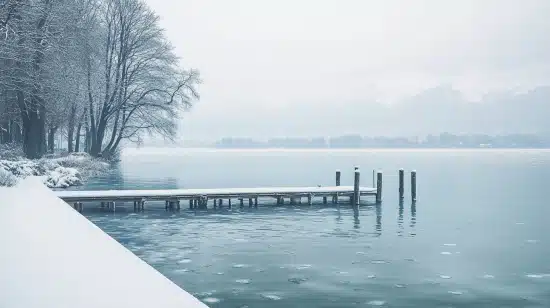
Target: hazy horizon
{"x": 309, "y": 68}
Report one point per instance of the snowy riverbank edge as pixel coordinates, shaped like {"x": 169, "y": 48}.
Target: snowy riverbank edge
{"x": 55, "y": 172}
{"x": 56, "y": 258}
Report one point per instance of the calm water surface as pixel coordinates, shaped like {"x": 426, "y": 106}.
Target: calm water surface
{"x": 477, "y": 237}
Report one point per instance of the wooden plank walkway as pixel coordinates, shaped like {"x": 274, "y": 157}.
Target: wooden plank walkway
{"x": 199, "y": 198}
{"x": 210, "y": 193}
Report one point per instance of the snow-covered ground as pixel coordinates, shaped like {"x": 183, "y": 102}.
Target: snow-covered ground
{"x": 56, "y": 258}
{"x": 55, "y": 172}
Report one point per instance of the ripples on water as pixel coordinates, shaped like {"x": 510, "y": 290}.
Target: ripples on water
{"x": 461, "y": 246}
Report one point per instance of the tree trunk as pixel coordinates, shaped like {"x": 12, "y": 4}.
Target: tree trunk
{"x": 33, "y": 128}
{"x": 51, "y": 138}
{"x": 33, "y": 140}
{"x": 16, "y": 134}
{"x": 77, "y": 142}
{"x": 70, "y": 129}
{"x": 5, "y": 134}
{"x": 87, "y": 141}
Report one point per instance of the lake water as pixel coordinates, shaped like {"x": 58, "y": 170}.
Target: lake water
{"x": 477, "y": 237}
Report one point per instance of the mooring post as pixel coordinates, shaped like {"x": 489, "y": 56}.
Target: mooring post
{"x": 379, "y": 187}
{"x": 401, "y": 183}
{"x": 356, "y": 192}
{"x": 338, "y": 176}
{"x": 413, "y": 185}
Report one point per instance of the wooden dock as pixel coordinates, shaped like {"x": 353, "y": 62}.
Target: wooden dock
{"x": 200, "y": 198}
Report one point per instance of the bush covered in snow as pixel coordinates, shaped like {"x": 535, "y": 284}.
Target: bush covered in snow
{"x": 57, "y": 172}
{"x": 62, "y": 177}
{"x": 7, "y": 179}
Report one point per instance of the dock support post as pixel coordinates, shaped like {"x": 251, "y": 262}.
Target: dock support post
{"x": 338, "y": 176}
{"x": 309, "y": 199}
{"x": 379, "y": 187}
{"x": 249, "y": 202}
{"x": 142, "y": 205}
{"x": 413, "y": 186}
{"x": 220, "y": 202}
{"x": 195, "y": 203}
{"x": 190, "y": 204}
{"x": 256, "y": 202}
{"x": 401, "y": 183}
{"x": 325, "y": 201}
{"x": 229, "y": 202}
{"x": 166, "y": 205}
{"x": 241, "y": 201}
{"x": 356, "y": 192}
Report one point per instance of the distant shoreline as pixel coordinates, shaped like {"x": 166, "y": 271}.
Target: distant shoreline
{"x": 214, "y": 149}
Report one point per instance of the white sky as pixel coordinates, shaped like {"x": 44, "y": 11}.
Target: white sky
{"x": 267, "y": 54}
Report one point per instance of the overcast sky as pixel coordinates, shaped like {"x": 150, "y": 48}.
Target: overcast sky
{"x": 258, "y": 55}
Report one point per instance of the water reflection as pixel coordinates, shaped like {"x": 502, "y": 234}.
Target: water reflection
{"x": 356, "y": 221}
{"x": 378, "y": 219}
{"x": 413, "y": 219}
{"x": 400, "y": 219}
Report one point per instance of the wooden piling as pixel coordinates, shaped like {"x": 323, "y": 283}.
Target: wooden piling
{"x": 309, "y": 199}
{"x": 401, "y": 183}
{"x": 249, "y": 202}
{"x": 379, "y": 187}
{"x": 337, "y": 183}
{"x": 256, "y": 202}
{"x": 229, "y": 202}
{"x": 190, "y": 204}
{"x": 356, "y": 194}
{"x": 325, "y": 201}
{"x": 413, "y": 185}
{"x": 220, "y": 202}
{"x": 241, "y": 201}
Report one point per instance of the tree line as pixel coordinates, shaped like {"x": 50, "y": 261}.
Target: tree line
{"x": 99, "y": 72}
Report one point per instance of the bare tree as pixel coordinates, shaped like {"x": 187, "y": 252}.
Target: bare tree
{"x": 102, "y": 65}
{"x": 143, "y": 88}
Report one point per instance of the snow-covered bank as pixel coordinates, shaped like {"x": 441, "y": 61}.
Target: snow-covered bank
{"x": 53, "y": 257}
{"x": 56, "y": 172}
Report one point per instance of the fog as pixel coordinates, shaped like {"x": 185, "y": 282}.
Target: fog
{"x": 308, "y": 68}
